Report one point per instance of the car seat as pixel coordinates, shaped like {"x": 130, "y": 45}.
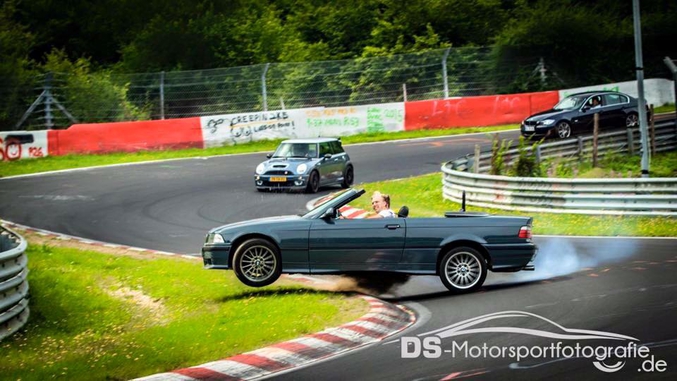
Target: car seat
{"x": 403, "y": 212}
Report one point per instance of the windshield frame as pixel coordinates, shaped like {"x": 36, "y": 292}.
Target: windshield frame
{"x": 335, "y": 200}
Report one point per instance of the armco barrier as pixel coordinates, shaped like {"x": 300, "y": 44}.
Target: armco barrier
{"x": 13, "y": 283}
{"x": 476, "y": 111}
{"x": 636, "y": 196}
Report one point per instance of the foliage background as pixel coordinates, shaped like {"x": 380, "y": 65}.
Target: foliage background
{"x": 580, "y": 42}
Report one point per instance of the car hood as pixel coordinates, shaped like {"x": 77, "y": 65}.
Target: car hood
{"x": 546, "y": 114}
{"x": 255, "y": 222}
{"x": 289, "y": 164}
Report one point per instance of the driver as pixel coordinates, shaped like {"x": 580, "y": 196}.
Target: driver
{"x": 381, "y": 204}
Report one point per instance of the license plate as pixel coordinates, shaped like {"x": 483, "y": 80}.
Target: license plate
{"x": 529, "y": 128}
{"x": 278, "y": 179}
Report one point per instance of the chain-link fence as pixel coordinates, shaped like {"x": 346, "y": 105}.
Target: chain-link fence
{"x": 58, "y": 100}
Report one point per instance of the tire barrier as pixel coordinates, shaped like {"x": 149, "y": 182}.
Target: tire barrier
{"x": 13, "y": 283}
{"x": 627, "y": 196}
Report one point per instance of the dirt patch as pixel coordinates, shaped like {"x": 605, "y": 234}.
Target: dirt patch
{"x": 152, "y": 309}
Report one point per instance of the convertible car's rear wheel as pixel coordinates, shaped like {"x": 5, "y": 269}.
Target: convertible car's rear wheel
{"x": 463, "y": 269}
{"x": 257, "y": 263}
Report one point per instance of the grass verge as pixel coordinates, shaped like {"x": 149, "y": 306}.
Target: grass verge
{"x": 102, "y": 315}
{"x": 54, "y": 163}
{"x": 614, "y": 165}
{"x": 423, "y": 196}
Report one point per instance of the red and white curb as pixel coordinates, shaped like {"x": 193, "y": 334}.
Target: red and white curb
{"x": 66, "y": 237}
{"x": 383, "y": 320}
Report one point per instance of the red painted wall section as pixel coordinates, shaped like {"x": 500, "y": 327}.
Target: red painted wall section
{"x": 126, "y": 136}
{"x": 476, "y": 111}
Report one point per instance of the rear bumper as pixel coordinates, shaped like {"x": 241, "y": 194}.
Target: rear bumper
{"x": 512, "y": 257}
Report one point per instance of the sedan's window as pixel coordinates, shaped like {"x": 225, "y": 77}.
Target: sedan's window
{"x": 613, "y": 99}
{"x": 569, "y": 103}
{"x": 325, "y": 148}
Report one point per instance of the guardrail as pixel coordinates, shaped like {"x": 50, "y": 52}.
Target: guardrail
{"x": 13, "y": 283}
{"x": 637, "y": 196}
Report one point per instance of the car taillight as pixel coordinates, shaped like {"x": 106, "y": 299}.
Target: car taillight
{"x": 525, "y": 232}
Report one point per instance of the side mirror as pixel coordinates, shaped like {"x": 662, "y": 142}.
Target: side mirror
{"x": 327, "y": 156}
{"x": 328, "y": 214}
{"x": 269, "y": 155}
{"x": 586, "y": 108}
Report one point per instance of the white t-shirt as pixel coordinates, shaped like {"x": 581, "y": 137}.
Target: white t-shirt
{"x": 387, "y": 213}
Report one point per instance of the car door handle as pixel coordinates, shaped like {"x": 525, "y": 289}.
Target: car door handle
{"x": 392, "y": 226}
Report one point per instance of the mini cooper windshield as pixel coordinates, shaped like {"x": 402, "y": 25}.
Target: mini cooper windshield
{"x": 288, "y": 150}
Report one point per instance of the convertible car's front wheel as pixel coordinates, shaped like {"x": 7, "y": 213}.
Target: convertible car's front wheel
{"x": 463, "y": 269}
{"x": 257, "y": 263}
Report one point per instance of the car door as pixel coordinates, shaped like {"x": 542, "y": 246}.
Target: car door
{"x": 582, "y": 118}
{"x": 326, "y": 166}
{"x": 339, "y": 158}
{"x": 356, "y": 244}
{"x": 614, "y": 110}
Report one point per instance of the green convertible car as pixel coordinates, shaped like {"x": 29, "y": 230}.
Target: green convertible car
{"x": 459, "y": 247}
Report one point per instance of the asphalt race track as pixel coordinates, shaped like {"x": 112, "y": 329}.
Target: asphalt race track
{"x": 614, "y": 285}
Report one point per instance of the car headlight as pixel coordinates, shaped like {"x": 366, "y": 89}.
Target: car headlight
{"x": 215, "y": 238}
{"x": 301, "y": 169}
{"x": 260, "y": 168}
{"x": 547, "y": 122}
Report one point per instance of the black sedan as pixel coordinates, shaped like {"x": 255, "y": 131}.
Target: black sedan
{"x": 575, "y": 114}
{"x": 459, "y": 247}
{"x": 305, "y": 164}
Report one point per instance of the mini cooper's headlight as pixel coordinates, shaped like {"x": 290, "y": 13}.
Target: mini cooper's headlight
{"x": 260, "y": 168}
{"x": 547, "y": 122}
{"x": 301, "y": 169}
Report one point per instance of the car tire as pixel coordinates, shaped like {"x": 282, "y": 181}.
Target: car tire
{"x": 313, "y": 182}
{"x": 348, "y": 177}
{"x": 463, "y": 269}
{"x": 257, "y": 263}
{"x": 631, "y": 120}
{"x": 563, "y": 130}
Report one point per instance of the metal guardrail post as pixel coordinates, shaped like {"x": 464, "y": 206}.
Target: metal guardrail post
{"x": 631, "y": 141}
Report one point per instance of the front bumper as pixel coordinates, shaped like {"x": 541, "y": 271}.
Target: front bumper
{"x": 535, "y": 131}
{"x": 216, "y": 256}
{"x": 290, "y": 181}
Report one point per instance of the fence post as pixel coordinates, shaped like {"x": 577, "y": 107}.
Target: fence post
{"x": 595, "y": 135}
{"x": 444, "y": 73}
{"x": 404, "y": 92}
{"x": 476, "y": 159}
{"x": 580, "y": 147}
{"x": 49, "y": 119}
{"x": 538, "y": 155}
{"x": 263, "y": 87}
{"x": 162, "y": 95}
{"x": 652, "y": 127}
{"x": 631, "y": 142}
